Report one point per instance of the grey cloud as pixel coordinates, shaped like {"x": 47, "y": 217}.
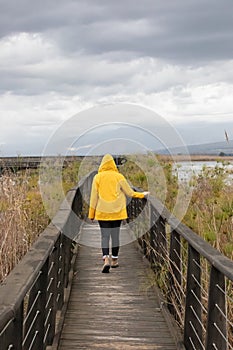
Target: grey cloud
{"x": 44, "y": 16}
{"x": 178, "y": 30}
{"x": 130, "y": 50}
{"x": 76, "y": 75}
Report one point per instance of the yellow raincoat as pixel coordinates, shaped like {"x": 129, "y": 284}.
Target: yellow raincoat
{"x": 109, "y": 191}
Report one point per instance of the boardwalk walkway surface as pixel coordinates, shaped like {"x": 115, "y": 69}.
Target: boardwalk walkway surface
{"x": 113, "y": 311}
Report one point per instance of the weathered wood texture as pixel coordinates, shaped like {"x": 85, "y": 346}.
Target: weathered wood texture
{"x": 118, "y": 310}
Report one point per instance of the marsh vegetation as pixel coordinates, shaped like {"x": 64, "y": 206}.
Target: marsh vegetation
{"x": 209, "y": 213}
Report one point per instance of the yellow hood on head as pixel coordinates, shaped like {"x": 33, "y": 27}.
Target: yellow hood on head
{"x": 107, "y": 163}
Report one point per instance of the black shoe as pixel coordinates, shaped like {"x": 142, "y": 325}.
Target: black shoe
{"x": 106, "y": 269}
{"x": 106, "y": 266}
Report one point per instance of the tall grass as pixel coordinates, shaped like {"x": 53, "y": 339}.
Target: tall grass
{"x": 22, "y": 217}
{"x": 23, "y": 214}
{"x": 210, "y": 213}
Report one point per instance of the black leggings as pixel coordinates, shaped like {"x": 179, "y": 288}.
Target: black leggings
{"x": 110, "y": 229}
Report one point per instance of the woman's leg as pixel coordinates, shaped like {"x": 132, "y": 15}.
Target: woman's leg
{"x": 105, "y": 238}
{"x": 115, "y": 232}
{"x": 105, "y": 228}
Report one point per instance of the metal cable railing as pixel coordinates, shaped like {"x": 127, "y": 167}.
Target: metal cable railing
{"x": 34, "y": 292}
{"x": 195, "y": 278}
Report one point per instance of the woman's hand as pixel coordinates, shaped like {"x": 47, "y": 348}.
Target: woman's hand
{"x": 146, "y": 194}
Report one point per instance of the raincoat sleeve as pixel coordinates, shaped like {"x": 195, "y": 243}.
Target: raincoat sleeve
{"x": 93, "y": 199}
{"x": 129, "y": 191}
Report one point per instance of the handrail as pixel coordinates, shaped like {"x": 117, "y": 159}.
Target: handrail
{"x": 221, "y": 262}
{"x": 34, "y": 291}
{"x": 196, "y": 278}
{"x": 33, "y": 162}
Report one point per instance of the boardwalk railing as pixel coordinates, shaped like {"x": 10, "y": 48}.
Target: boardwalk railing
{"x": 19, "y": 163}
{"x": 196, "y": 279}
{"x": 34, "y": 292}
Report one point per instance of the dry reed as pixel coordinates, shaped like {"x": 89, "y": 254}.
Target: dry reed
{"x": 22, "y": 218}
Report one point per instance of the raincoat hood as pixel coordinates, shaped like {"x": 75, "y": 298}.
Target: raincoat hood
{"x": 107, "y": 163}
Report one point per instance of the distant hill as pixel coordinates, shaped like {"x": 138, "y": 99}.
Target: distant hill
{"x": 216, "y": 148}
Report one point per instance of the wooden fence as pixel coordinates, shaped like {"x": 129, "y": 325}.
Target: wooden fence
{"x": 34, "y": 293}
{"x": 196, "y": 279}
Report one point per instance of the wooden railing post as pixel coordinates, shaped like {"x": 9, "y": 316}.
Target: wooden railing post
{"x": 154, "y": 249}
{"x": 18, "y": 328}
{"x": 175, "y": 272}
{"x": 67, "y": 259}
{"x": 15, "y": 327}
{"x": 216, "y": 337}
{"x": 34, "y": 327}
{"x": 51, "y": 305}
{"x": 158, "y": 240}
{"x": 60, "y": 274}
{"x": 162, "y": 239}
{"x": 193, "y": 324}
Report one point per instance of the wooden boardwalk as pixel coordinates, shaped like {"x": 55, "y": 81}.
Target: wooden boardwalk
{"x": 119, "y": 310}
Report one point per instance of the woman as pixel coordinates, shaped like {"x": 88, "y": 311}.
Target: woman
{"x": 108, "y": 206}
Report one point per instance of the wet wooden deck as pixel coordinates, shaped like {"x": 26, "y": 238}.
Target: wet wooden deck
{"x": 119, "y": 310}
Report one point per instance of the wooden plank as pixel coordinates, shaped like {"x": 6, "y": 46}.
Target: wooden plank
{"x": 118, "y": 310}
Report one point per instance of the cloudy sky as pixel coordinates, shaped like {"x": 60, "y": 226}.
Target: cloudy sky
{"x": 58, "y": 58}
